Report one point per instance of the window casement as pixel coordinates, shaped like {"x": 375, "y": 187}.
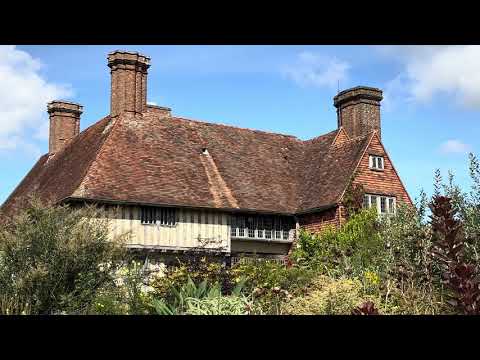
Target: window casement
{"x": 233, "y": 227}
{"x": 383, "y": 204}
{"x": 268, "y": 227}
{"x": 261, "y": 227}
{"x": 376, "y": 162}
{"x": 151, "y": 215}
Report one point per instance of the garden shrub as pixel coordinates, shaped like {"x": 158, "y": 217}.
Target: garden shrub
{"x": 220, "y": 305}
{"x": 203, "y": 299}
{"x": 408, "y": 241}
{"x": 13, "y": 305}
{"x": 270, "y": 282}
{"x": 55, "y": 258}
{"x": 410, "y": 298}
{"x": 461, "y": 277}
{"x": 353, "y": 198}
{"x": 198, "y": 268}
{"x": 466, "y": 206}
{"x": 356, "y": 246}
{"x": 109, "y": 301}
{"x": 367, "y": 308}
{"x": 128, "y": 295}
{"x": 327, "y": 296}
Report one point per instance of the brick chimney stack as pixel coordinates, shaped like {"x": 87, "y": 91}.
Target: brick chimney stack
{"x": 358, "y": 110}
{"x": 128, "y": 82}
{"x": 64, "y": 123}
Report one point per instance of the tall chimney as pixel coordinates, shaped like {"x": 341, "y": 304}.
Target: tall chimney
{"x": 128, "y": 82}
{"x": 358, "y": 110}
{"x": 64, "y": 123}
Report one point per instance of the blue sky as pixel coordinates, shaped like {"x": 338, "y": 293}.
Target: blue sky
{"x": 429, "y": 114}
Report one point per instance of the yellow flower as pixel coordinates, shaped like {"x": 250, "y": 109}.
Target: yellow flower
{"x": 372, "y": 277}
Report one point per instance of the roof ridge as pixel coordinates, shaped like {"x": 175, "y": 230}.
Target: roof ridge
{"x": 236, "y": 127}
{"x": 321, "y": 136}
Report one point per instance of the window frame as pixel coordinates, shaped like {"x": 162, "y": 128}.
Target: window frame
{"x": 159, "y": 216}
{"x": 261, "y": 227}
{"x": 373, "y": 162}
{"x": 378, "y": 203}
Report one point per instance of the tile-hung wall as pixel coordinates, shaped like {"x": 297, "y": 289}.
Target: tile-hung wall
{"x": 190, "y": 228}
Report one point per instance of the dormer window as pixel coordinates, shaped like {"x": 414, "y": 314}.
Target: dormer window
{"x": 376, "y": 162}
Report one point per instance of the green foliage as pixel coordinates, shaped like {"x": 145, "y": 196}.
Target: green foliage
{"x": 128, "y": 295}
{"x": 220, "y": 305}
{"x": 55, "y": 258}
{"x": 202, "y": 299}
{"x": 467, "y": 207}
{"x": 271, "y": 283}
{"x": 177, "y": 303}
{"x": 109, "y": 301}
{"x": 350, "y": 250}
{"x": 388, "y": 256}
{"x": 327, "y": 296}
{"x": 353, "y": 198}
{"x": 12, "y": 305}
{"x": 198, "y": 268}
{"x": 132, "y": 282}
{"x": 422, "y": 260}
{"x": 408, "y": 241}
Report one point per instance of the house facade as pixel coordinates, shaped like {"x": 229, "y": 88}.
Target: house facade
{"x": 177, "y": 184}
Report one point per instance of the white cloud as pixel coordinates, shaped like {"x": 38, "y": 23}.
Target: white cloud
{"x": 428, "y": 71}
{"x": 15, "y": 143}
{"x": 24, "y": 95}
{"x": 317, "y": 70}
{"x": 455, "y": 147}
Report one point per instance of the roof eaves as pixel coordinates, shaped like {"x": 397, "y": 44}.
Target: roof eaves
{"x": 312, "y": 210}
{"x": 140, "y": 203}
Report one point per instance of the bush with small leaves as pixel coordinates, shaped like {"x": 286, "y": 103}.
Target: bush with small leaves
{"x": 327, "y": 296}
{"x": 55, "y": 258}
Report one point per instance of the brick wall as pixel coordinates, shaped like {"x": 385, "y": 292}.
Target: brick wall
{"x": 319, "y": 221}
{"x": 384, "y": 182}
{"x": 358, "y": 110}
{"x": 128, "y": 82}
{"x": 64, "y": 124}
{"x": 316, "y": 222}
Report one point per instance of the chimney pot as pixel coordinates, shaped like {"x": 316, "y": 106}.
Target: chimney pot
{"x": 358, "y": 110}
{"x": 128, "y": 82}
{"x": 64, "y": 123}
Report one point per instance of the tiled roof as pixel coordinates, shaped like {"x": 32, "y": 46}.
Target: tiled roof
{"x": 327, "y": 169}
{"x": 155, "y": 159}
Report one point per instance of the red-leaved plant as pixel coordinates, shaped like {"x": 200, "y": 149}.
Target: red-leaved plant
{"x": 448, "y": 248}
{"x": 367, "y": 308}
